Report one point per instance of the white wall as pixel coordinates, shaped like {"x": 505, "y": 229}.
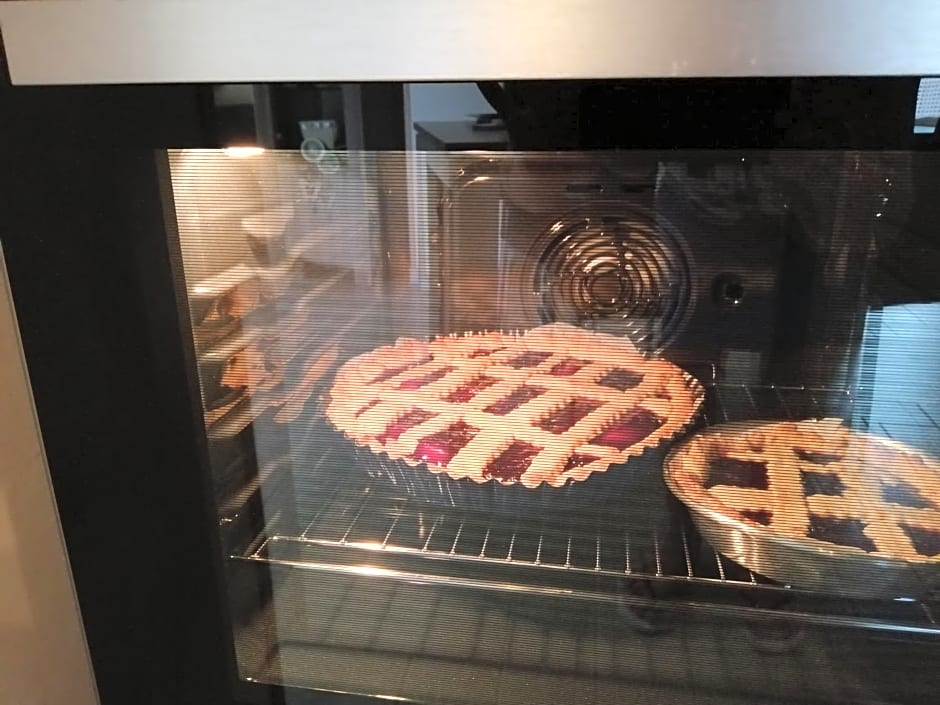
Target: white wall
{"x": 427, "y": 102}
{"x": 907, "y": 367}
{"x": 43, "y": 656}
{"x": 446, "y": 101}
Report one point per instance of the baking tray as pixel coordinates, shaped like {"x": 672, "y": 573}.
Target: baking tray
{"x": 804, "y": 563}
{"x": 638, "y": 481}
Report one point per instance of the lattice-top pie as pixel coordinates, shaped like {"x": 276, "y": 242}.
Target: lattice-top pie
{"x": 551, "y": 405}
{"x": 819, "y": 481}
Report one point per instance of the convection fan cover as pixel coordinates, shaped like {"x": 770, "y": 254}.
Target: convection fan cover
{"x": 625, "y": 273}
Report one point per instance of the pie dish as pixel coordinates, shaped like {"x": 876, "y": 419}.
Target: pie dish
{"x": 814, "y": 504}
{"x": 547, "y": 408}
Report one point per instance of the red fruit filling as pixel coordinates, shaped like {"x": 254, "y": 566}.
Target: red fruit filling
{"x": 425, "y": 380}
{"x": 906, "y": 496}
{"x": 529, "y": 359}
{"x": 844, "y": 532}
{"x": 394, "y": 371}
{"x": 509, "y": 465}
{"x": 579, "y": 460}
{"x": 567, "y": 416}
{"x": 926, "y": 542}
{"x": 621, "y": 379}
{"x": 629, "y": 430}
{"x": 760, "y": 516}
{"x": 440, "y": 448}
{"x": 816, "y": 458}
{"x": 469, "y": 390}
{"x": 515, "y": 400}
{"x": 820, "y": 483}
{"x": 407, "y": 421}
{"x": 481, "y": 352}
{"x": 737, "y": 473}
{"x": 567, "y": 367}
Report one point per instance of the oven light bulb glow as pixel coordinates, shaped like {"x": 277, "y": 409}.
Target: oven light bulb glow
{"x": 240, "y": 152}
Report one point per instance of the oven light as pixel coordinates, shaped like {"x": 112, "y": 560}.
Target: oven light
{"x": 243, "y": 151}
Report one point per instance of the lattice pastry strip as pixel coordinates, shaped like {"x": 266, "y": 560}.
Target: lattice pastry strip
{"x": 819, "y": 481}
{"x": 552, "y": 405}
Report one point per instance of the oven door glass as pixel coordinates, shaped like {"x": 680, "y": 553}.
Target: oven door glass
{"x": 526, "y": 426}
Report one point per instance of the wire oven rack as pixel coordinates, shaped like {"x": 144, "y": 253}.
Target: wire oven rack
{"x": 331, "y": 517}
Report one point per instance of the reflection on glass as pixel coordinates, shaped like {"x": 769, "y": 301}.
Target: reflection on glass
{"x": 452, "y": 399}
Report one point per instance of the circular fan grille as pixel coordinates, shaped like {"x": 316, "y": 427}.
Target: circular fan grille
{"x": 625, "y": 274}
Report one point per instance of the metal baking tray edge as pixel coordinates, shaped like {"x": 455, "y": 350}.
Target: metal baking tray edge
{"x": 802, "y": 563}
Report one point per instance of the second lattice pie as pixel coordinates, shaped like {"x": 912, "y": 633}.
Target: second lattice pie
{"x": 549, "y": 407}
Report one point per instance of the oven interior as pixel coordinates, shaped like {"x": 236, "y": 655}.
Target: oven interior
{"x": 792, "y": 284}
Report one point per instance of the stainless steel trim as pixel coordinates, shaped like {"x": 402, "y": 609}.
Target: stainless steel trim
{"x": 100, "y": 41}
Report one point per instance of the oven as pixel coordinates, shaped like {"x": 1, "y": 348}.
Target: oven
{"x": 479, "y": 357}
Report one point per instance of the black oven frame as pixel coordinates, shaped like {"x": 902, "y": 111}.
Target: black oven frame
{"x": 85, "y": 238}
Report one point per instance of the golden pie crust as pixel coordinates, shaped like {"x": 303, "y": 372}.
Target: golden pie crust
{"x": 816, "y": 481}
{"x": 560, "y": 375}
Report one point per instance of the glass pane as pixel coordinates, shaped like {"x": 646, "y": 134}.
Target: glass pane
{"x": 518, "y": 427}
